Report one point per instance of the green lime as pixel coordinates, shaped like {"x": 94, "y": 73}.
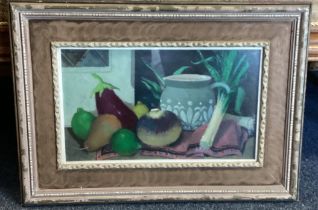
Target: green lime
{"x": 81, "y": 123}
{"x": 125, "y": 142}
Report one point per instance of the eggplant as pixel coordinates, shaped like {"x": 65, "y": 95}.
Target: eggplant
{"x": 107, "y": 102}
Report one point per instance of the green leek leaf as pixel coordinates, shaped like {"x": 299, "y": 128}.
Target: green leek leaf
{"x": 243, "y": 70}
{"x": 240, "y": 95}
{"x": 239, "y": 63}
{"x": 228, "y": 63}
{"x": 212, "y": 71}
{"x": 221, "y": 85}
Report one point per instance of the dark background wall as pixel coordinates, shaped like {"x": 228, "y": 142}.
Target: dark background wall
{"x": 171, "y": 60}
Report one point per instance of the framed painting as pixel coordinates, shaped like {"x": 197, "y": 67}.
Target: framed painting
{"x": 163, "y": 96}
{"x": 135, "y": 102}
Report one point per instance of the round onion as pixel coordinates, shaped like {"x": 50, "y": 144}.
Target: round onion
{"x": 159, "y": 128}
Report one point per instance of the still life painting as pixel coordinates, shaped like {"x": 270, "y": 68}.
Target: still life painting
{"x": 158, "y": 103}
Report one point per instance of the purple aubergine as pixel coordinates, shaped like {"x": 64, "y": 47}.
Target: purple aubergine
{"x": 107, "y": 102}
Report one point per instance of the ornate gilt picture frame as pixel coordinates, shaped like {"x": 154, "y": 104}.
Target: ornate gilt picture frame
{"x": 133, "y": 102}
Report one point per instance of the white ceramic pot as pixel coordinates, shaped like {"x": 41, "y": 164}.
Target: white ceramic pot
{"x": 190, "y": 97}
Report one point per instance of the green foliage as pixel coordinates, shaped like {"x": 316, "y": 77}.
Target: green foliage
{"x": 223, "y": 86}
{"x": 181, "y": 70}
{"x": 153, "y": 87}
{"x": 227, "y": 68}
{"x": 205, "y": 61}
{"x": 242, "y": 72}
{"x": 155, "y": 72}
{"x": 228, "y": 63}
{"x": 240, "y": 95}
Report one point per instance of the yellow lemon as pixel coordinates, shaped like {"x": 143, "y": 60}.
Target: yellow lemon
{"x": 140, "y": 109}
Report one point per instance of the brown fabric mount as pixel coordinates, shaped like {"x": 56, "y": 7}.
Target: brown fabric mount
{"x": 42, "y": 33}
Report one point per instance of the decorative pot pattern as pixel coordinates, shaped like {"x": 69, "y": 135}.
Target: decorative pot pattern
{"x": 191, "y": 116}
{"x": 190, "y": 97}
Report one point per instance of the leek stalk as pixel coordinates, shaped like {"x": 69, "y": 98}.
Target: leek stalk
{"x": 215, "y": 122}
{"x": 227, "y": 68}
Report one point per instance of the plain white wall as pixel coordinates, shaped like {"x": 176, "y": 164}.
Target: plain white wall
{"x": 78, "y": 82}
